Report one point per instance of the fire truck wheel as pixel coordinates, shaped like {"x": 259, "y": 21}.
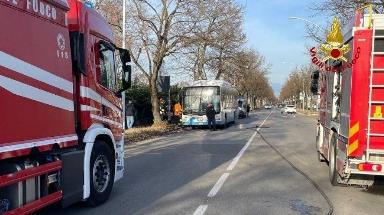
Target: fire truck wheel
{"x": 102, "y": 173}
{"x": 334, "y": 176}
{"x": 320, "y": 157}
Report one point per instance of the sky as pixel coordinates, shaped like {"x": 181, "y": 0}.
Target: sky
{"x": 279, "y": 39}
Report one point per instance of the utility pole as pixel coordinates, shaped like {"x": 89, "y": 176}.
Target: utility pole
{"x": 123, "y": 46}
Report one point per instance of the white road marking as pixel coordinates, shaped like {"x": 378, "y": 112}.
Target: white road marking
{"x": 238, "y": 156}
{"x": 200, "y": 210}
{"x": 216, "y": 188}
{"x": 218, "y": 185}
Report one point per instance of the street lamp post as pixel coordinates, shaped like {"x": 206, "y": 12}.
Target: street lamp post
{"x": 308, "y": 21}
{"x": 123, "y": 46}
{"x": 124, "y": 6}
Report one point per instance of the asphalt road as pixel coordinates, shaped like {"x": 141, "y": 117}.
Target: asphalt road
{"x": 232, "y": 171}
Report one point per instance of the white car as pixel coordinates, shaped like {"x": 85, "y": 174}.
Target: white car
{"x": 289, "y": 109}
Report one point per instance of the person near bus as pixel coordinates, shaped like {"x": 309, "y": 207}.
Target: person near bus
{"x": 130, "y": 112}
{"x": 210, "y": 113}
{"x": 177, "y": 109}
{"x": 248, "y": 109}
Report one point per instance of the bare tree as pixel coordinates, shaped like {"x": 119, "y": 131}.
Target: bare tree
{"x": 346, "y": 9}
{"x": 298, "y": 83}
{"x": 205, "y": 36}
{"x": 216, "y": 36}
{"x": 155, "y": 31}
{"x": 249, "y": 75}
{"x": 111, "y": 10}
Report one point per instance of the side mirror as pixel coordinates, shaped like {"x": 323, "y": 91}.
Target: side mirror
{"x": 127, "y": 69}
{"x": 315, "y": 82}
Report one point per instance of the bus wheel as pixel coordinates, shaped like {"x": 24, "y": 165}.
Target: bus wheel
{"x": 225, "y": 122}
{"x": 234, "y": 118}
{"x": 334, "y": 176}
{"x": 102, "y": 173}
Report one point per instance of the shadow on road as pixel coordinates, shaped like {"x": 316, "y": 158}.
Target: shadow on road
{"x": 154, "y": 175}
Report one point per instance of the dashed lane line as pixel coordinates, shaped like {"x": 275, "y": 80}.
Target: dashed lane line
{"x": 216, "y": 188}
{"x": 200, "y": 210}
{"x": 218, "y": 185}
{"x": 238, "y": 156}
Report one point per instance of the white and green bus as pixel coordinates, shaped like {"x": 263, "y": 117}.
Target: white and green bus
{"x": 198, "y": 94}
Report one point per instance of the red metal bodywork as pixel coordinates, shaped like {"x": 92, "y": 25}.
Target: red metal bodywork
{"x": 360, "y": 89}
{"x": 41, "y": 97}
{"x": 25, "y": 120}
{"x": 353, "y": 123}
{"x": 91, "y": 24}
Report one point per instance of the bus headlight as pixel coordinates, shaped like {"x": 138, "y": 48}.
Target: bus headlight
{"x": 185, "y": 118}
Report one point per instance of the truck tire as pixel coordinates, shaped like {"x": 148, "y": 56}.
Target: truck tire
{"x": 334, "y": 176}
{"x": 102, "y": 173}
{"x": 320, "y": 157}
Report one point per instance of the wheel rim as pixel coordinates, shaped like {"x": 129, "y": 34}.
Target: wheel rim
{"x": 101, "y": 173}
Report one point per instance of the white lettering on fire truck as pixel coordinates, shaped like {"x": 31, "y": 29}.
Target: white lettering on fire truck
{"x": 42, "y": 8}
{"x": 12, "y": 1}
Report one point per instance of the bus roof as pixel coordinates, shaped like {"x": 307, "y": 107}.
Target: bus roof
{"x": 206, "y": 83}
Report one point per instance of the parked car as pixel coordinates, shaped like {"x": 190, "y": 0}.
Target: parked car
{"x": 289, "y": 109}
{"x": 268, "y": 107}
{"x": 242, "y": 113}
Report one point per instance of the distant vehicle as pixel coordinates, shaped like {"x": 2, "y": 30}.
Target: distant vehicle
{"x": 289, "y": 109}
{"x": 268, "y": 107}
{"x": 242, "y": 106}
{"x": 198, "y": 94}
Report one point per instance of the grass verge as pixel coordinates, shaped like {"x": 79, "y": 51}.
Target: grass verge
{"x": 138, "y": 134}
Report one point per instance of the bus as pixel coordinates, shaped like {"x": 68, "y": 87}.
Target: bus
{"x": 198, "y": 94}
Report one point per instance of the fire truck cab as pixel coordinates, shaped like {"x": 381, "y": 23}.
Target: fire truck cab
{"x": 61, "y": 127}
{"x": 350, "y": 133}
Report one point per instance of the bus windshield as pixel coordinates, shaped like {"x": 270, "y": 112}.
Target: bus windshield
{"x": 196, "y": 99}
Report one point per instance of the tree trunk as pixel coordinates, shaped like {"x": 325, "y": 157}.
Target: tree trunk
{"x": 200, "y": 62}
{"x": 157, "y": 62}
{"x": 155, "y": 100}
{"x": 218, "y": 75}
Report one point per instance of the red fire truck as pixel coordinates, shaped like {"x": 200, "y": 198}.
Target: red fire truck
{"x": 350, "y": 134}
{"x": 61, "y": 77}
